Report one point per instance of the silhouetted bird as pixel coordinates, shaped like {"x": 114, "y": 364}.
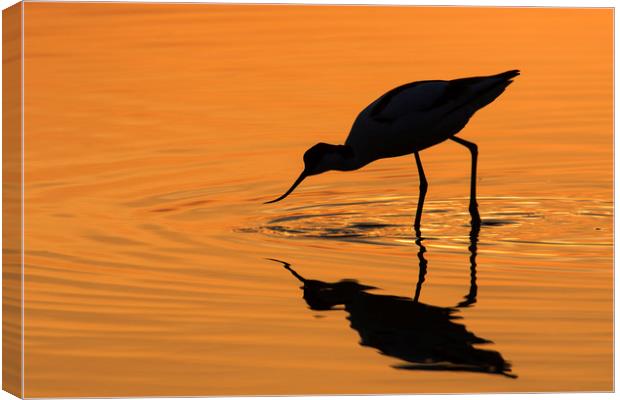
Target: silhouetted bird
{"x": 409, "y": 119}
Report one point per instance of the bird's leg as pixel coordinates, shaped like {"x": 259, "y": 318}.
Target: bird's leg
{"x": 416, "y": 226}
{"x": 473, "y": 205}
{"x": 423, "y": 187}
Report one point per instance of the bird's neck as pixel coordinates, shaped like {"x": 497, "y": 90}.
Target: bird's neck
{"x": 344, "y": 165}
{"x": 346, "y": 161}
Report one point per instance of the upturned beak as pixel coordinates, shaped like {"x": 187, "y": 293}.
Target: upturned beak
{"x": 297, "y": 182}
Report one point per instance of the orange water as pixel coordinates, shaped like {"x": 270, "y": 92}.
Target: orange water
{"x": 154, "y": 133}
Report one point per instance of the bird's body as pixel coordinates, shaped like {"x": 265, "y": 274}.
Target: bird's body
{"x": 406, "y": 120}
{"x": 419, "y": 115}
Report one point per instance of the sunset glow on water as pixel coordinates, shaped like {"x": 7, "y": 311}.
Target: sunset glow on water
{"x": 154, "y": 133}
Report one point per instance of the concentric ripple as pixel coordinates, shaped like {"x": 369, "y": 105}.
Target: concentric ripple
{"x": 540, "y": 222}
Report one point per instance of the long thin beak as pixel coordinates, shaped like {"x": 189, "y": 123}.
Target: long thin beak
{"x": 297, "y": 182}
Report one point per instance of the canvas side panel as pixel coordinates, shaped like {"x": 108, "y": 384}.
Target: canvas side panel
{"x": 12, "y": 199}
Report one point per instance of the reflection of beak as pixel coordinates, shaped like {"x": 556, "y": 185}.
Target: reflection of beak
{"x": 291, "y": 270}
{"x": 297, "y": 182}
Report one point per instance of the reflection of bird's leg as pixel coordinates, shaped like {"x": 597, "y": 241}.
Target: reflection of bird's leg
{"x": 423, "y": 187}
{"x": 470, "y": 298}
{"x": 423, "y": 263}
{"x": 473, "y": 206}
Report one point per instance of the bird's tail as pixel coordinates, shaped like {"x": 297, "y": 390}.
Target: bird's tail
{"x": 492, "y": 83}
{"x": 487, "y": 89}
{"x": 508, "y": 74}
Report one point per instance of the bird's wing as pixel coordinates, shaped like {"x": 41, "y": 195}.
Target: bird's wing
{"x": 405, "y": 99}
{"x": 436, "y": 95}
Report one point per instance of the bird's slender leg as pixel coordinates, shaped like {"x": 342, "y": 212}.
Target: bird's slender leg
{"x": 423, "y": 187}
{"x": 473, "y": 205}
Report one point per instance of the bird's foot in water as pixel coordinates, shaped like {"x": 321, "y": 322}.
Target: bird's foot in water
{"x": 475, "y": 217}
{"x": 417, "y": 230}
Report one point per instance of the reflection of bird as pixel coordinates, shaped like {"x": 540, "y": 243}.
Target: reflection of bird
{"x": 426, "y": 337}
{"x": 406, "y": 120}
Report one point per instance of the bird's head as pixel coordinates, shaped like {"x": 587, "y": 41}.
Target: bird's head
{"x": 321, "y": 157}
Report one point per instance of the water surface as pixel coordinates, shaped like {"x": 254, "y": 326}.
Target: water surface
{"x": 155, "y": 132}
